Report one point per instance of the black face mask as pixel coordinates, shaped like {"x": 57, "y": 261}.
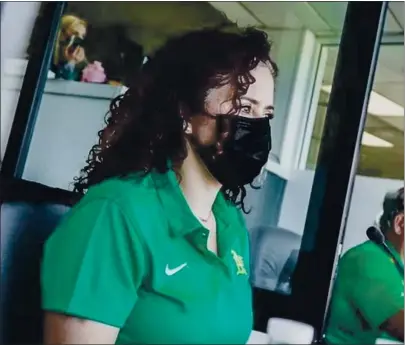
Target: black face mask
{"x": 245, "y": 149}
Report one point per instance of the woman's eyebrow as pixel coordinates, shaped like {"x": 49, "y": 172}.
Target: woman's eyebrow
{"x": 256, "y": 102}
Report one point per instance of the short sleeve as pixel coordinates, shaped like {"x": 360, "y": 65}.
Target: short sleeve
{"x": 378, "y": 290}
{"x": 93, "y": 265}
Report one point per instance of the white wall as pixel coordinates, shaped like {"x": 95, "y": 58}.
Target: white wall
{"x": 367, "y": 198}
{"x": 286, "y": 53}
{"x": 17, "y": 21}
{"x": 295, "y": 203}
{"x": 9, "y": 100}
{"x": 264, "y": 203}
{"x": 70, "y": 115}
{"x": 366, "y": 203}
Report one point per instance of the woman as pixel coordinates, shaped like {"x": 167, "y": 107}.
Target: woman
{"x": 69, "y": 57}
{"x": 156, "y": 251}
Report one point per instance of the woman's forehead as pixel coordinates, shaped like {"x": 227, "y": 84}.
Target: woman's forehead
{"x": 262, "y": 90}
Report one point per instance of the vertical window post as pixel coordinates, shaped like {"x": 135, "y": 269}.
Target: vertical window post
{"x": 337, "y": 162}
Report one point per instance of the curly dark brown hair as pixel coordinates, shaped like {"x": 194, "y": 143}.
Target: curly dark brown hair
{"x": 144, "y": 129}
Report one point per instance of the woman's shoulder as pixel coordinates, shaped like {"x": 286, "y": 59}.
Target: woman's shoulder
{"x": 136, "y": 191}
{"x": 114, "y": 206}
{"x": 118, "y": 188}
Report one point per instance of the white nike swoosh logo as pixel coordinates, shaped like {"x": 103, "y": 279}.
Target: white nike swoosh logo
{"x": 171, "y": 271}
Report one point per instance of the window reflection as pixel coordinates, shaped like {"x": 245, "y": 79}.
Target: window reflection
{"x": 80, "y": 56}
{"x": 382, "y": 143}
{"x": 100, "y": 47}
{"x": 368, "y": 290}
{"x": 381, "y": 155}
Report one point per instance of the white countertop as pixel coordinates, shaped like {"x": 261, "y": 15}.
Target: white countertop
{"x": 67, "y": 88}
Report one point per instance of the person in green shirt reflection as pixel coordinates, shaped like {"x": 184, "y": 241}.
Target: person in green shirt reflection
{"x": 156, "y": 251}
{"x": 368, "y": 296}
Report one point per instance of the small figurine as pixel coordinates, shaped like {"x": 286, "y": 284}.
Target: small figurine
{"x": 69, "y": 57}
{"x": 94, "y": 73}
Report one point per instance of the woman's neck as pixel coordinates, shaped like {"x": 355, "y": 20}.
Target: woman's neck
{"x": 199, "y": 187}
{"x": 397, "y": 242}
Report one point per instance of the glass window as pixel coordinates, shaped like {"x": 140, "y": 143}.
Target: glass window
{"x": 101, "y": 45}
{"x": 111, "y": 41}
{"x": 78, "y": 92}
{"x": 279, "y": 208}
{"x": 380, "y": 171}
{"x": 98, "y": 49}
{"x": 382, "y": 143}
{"x": 377, "y": 159}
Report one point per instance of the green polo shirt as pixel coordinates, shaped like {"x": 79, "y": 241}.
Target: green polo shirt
{"x": 368, "y": 290}
{"x": 132, "y": 255}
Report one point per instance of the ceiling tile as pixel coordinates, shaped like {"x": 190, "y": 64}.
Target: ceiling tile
{"x": 394, "y": 121}
{"x": 235, "y": 12}
{"x": 388, "y": 75}
{"x": 391, "y": 25}
{"x": 397, "y": 9}
{"x": 309, "y": 17}
{"x": 393, "y": 91}
{"x": 275, "y": 15}
{"x": 392, "y": 57}
{"x": 332, "y": 12}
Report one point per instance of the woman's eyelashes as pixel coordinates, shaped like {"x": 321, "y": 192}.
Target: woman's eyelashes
{"x": 247, "y": 110}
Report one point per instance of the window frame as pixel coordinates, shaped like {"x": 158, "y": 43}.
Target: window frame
{"x": 298, "y": 108}
{"x": 326, "y": 43}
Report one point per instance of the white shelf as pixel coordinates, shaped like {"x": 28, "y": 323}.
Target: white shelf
{"x": 14, "y": 71}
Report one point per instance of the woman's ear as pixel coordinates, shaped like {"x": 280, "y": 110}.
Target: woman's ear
{"x": 184, "y": 114}
{"x": 188, "y": 128}
{"x": 399, "y": 224}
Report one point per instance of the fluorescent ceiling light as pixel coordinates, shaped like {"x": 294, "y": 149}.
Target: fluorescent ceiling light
{"x": 378, "y": 105}
{"x": 373, "y": 141}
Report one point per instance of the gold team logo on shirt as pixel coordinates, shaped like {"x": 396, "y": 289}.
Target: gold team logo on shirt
{"x": 240, "y": 266}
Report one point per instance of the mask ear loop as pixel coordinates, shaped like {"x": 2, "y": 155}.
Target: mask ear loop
{"x": 261, "y": 178}
{"x": 186, "y": 127}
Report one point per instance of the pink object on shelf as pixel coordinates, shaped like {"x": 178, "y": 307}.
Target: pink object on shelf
{"x": 94, "y": 73}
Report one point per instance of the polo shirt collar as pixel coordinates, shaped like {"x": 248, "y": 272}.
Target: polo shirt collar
{"x": 181, "y": 219}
